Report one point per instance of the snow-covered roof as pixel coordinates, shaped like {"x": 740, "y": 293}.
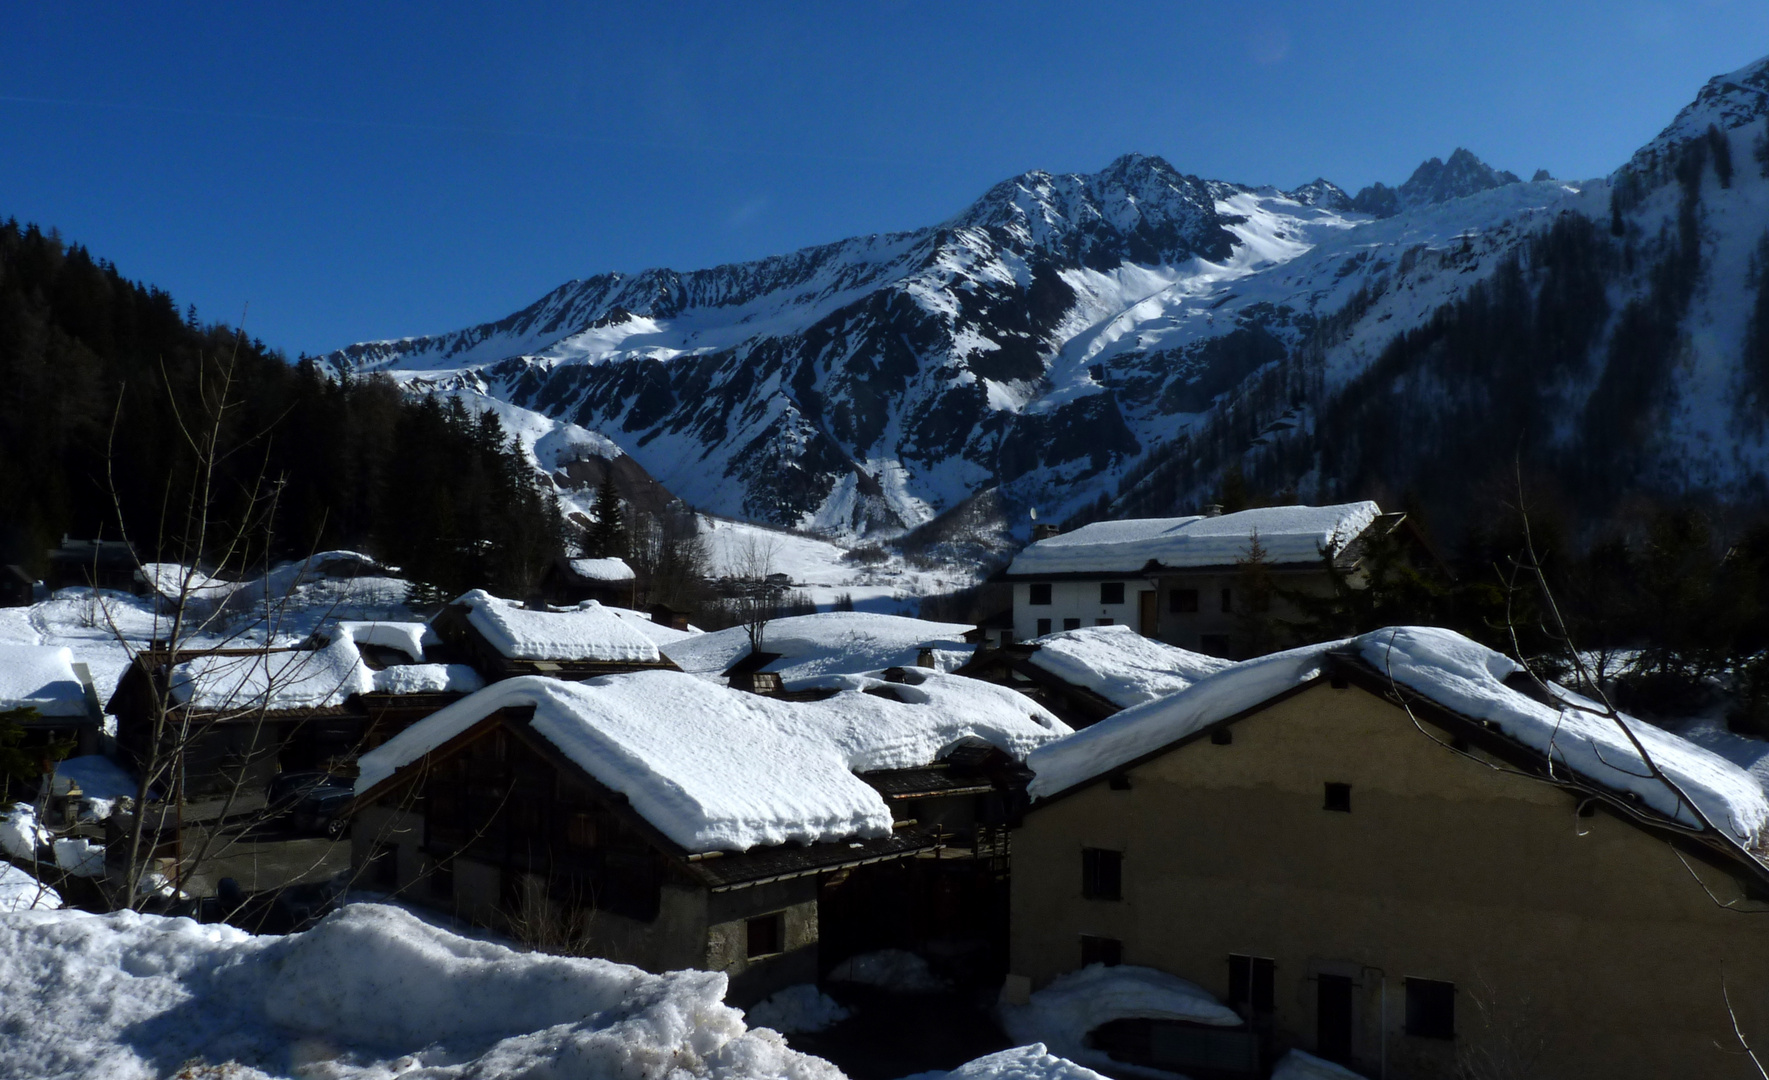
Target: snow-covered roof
{"x": 658, "y": 632}
{"x": 41, "y": 677}
{"x": 1121, "y": 665}
{"x": 585, "y": 632}
{"x": 1126, "y": 736}
{"x": 602, "y": 569}
{"x": 718, "y": 769}
{"x": 313, "y": 678}
{"x": 171, "y": 580}
{"x": 410, "y": 638}
{"x": 1288, "y": 534}
{"x": 828, "y": 643}
{"x": 1460, "y": 675}
{"x": 273, "y": 679}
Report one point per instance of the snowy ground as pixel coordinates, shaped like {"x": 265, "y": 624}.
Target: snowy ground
{"x": 819, "y": 569}
{"x": 372, "y": 993}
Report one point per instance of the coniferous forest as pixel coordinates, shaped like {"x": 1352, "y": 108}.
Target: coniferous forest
{"x": 106, "y": 389}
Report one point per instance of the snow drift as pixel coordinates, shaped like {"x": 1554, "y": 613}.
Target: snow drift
{"x": 369, "y": 992}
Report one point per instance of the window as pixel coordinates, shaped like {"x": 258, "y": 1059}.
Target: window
{"x": 1118, "y": 781}
{"x": 1338, "y": 797}
{"x": 1221, "y": 736}
{"x": 1182, "y": 601}
{"x": 1043, "y": 627}
{"x": 1213, "y": 644}
{"x": 1111, "y": 592}
{"x": 1040, "y": 593}
{"x": 1250, "y": 982}
{"x": 764, "y": 935}
{"x": 1101, "y": 950}
{"x": 581, "y": 831}
{"x": 1228, "y": 601}
{"x": 1102, "y": 874}
{"x": 1431, "y": 1009}
{"x": 1071, "y": 624}
{"x": 1102, "y": 622}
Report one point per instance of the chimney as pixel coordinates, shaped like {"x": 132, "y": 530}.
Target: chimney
{"x": 1044, "y": 531}
{"x": 1213, "y": 510}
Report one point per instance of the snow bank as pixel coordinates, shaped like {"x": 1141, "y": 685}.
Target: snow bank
{"x": 20, "y": 834}
{"x": 370, "y": 992}
{"x": 718, "y": 769}
{"x": 613, "y": 570}
{"x": 1121, "y": 665}
{"x": 828, "y": 643}
{"x": 1469, "y": 679}
{"x": 1033, "y": 1062}
{"x": 1126, "y": 736}
{"x": 581, "y": 633}
{"x": 81, "y": 858}
{"x": 19, "y": 891}
{"x": 896, "y": 970}
{"x": 798, "y": 1009}
{"x": 1297, "y": 1065}
{"x": 41, "y": 677}
{"x": 1062, "y": 1014}
{"x": 1289, "y": 534}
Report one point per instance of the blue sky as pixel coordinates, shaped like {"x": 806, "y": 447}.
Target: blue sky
{"x": 363, "y": 170}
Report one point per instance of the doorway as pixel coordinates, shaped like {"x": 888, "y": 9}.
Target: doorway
{"x": 1332, "y": 1038}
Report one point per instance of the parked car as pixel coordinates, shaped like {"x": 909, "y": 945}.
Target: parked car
{"x": 311, "y": 803}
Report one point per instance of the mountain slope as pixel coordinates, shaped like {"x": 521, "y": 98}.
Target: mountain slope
{"x": 1130, "y": 336}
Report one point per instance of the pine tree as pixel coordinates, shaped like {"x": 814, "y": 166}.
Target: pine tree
{"x": 608, "y": 539}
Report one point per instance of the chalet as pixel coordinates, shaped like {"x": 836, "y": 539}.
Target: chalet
{"x": 57, "y": 692}
{"x": 607, "y": 581}
{"x": 504, "y": 639}
{"x": 1086, "y": 675}
{"x": 102, "y": 564}
{"x": 1405, "y": 854}
{"x": 663, "y": 820}
{"x": 1186, "y": 580}
{"x": 668, "y": 617}
{"x": 239, "y": 716}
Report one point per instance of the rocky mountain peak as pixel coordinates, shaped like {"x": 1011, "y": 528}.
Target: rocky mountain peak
{"x": 1138, "y": 207}
{"x": 1728, "y": 101}
{"x": 1434, "y": 181}
{"x": 1322, "y": 193}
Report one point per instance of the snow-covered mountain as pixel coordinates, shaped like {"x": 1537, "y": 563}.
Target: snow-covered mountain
{"x": 1131, "y": 334}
